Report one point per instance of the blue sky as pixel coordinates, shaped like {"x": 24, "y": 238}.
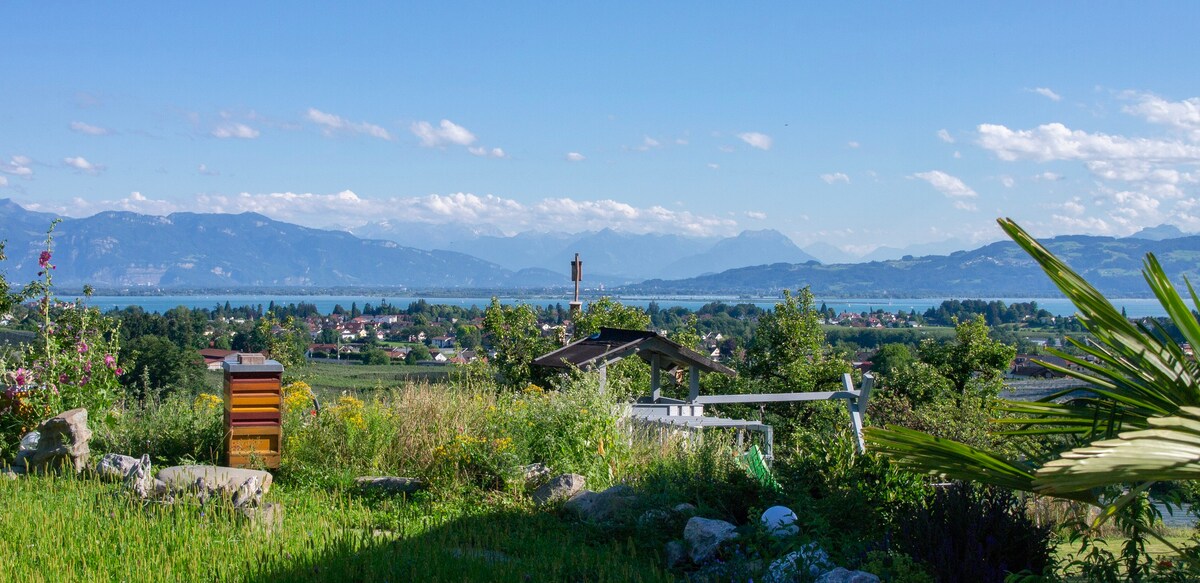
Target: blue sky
{"x": 878, "y": 124}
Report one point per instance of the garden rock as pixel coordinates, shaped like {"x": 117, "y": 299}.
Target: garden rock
{"x": 844, "y": 575}
{"x": 217, "y": 479}
{"x": 534, "y": 475}
{"x": 268, "y": 517}
{"x": 674, "y": 554}
{"x": 704, "y": 536}
{"x": 389, "y": 485}
{"x": 62, "y": 443}
{"x": 684, "y": 508}
{"x": 141, "y": 482}
{"x": 248, "y": 495}
{"x": 558, "y": 488}
{"x": 10, "y": 473}
{"x": 811, "y": 559}
{"x": 114, "y": 466}
{"x": 607, "y": 507}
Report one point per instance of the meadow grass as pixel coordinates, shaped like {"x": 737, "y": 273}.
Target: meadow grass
{"x": 70, "y": 529}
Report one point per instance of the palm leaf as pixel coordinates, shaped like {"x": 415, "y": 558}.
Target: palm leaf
{"x": 1169, "y": 450}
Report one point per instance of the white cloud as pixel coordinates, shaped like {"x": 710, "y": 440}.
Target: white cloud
{"x": 486, "y": 153}
{"x": 835, "y": 177}
{"x": 713, "y": 165}
{"x": 648, "y": 143}
{"x": 331, "y": 123}
{"x": 1074, "y": 206}
{"x": 446, "y": 133}
{"x": 205, "y": 170}
{"x": 575, "y": 157}
{"x": 756, "y": 215}
{"x": 963, "y": 205}
{"x": 89, "y": 129}
{"x": 1182, "y": 115}
{"x": 508, "y": 215}
{"x": 1055, "y": 141}
{"x": 3, "y": 181}
{"x": 757, "y": 140}
{"x": 81, "y": 164}
{"x": 231, "y": 129}
{"x": 946, "y": 184}
{"x": 17, "y": 166}
{"x": 1007, "y": 181}
{"x": 853, "y": 144}
{"x": 1048, "y": 176}
{"x": 1047, "y": 93}
{"x": 945, "y": 136}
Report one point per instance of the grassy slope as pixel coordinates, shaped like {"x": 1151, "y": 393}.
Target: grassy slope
{"x": 80, "y": 530}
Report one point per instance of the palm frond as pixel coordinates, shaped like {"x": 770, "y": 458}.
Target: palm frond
{"x": 1169, "y": 450}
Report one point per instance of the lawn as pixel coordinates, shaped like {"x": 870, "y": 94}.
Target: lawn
{"x": 83, "y": 530}
{"x": 331, "y": 378}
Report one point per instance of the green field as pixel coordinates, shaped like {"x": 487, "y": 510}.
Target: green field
{"x": 83, "y": 530}
{"x": 331, "y": 378}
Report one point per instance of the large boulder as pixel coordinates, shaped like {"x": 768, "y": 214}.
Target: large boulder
{"x": 218, "y": 480}
{"x": 62, "y": 443}
{"x": 705, "y": 535}
{"x": 810, "y": 560}
{"x": 389, "y": 485}
{"x": 559, "y": 487}
{"x": 610, "y": 506}
{"x": 844, "y": 575}
{"x": 114, "y": 466}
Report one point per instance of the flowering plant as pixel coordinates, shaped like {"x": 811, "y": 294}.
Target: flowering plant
{"x": 71, "y": 363}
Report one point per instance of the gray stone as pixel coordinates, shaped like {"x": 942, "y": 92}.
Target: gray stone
{"x": 139, "y": 479}
{"x": 248, "y": 495}
{"x": 601, "y": 507}
{"x": 114, "y": 466}
{"x": 844, "y": 575}
{"x": 534, "y": 475}
{"x": 62, "y": 443}
{"x": 268, "y": 517}
{"x": 389, "y": 485}
{"x": 218, "y": 479}
{"x": 810, "y": 559}
{"x": 704, "y": 536}
{"x": 10, "y": 473}
{"x": 619, "y": 490}
{"x": 559, "y": 488}
{"x": 674, "y": 554}
{"x": 684, "y": 508}
{"x": 655, "y": 519}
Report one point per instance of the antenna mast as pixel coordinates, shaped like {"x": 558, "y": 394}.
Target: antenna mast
{"x": 576, "y": 276}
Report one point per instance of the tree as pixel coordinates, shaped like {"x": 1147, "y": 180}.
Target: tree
{"x": 417, "y": 353}
{"x": 973, "y": 361}
{"x": 514, "y": 333}
{"x": 154, "y": 366}
{"x": 890, "y": 358}
{"x": 609, "y": 313}
{"x": 376, "y": 356}
{"x": 788, "y": 352}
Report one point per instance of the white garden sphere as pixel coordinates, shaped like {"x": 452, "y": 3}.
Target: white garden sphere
{"x": 780, "y": 521}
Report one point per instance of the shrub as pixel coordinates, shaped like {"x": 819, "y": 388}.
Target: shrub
{"x": 180, "y": 428}
{"x": 976, "y": 534}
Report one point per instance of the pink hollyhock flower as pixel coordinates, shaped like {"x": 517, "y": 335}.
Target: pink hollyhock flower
{"x": 21, "y": 377}
{"x": 109, "y": 361}
{"x": 44, "y": 259}
{"x": 119, "y": 371}
{"x": 62, "y": 378}
{"x": 83, "y": 347}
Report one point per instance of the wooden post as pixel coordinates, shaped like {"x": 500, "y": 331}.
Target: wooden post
{"x": 858, "y": 406}
{"x": 655, "y": 393}
{"x": 693, "y": 383}
{"x": 253, "y": 411}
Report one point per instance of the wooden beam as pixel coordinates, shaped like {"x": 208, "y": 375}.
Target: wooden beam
{"x": 655, "y": 392}
{"x": 775, "y": 397}
{"x": 693, "y": 382}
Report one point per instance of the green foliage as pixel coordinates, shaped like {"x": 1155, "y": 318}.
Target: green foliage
{"x": 284, "y": 341}
{"x": 974, "y": 534}
{"x": 514, "y": 334}
{"x": 895, "y": 567}
{"x": 376, "y": 356}
{"x": 973, "y": 362}
{"x": 789, "y": 353}
{"x": 180, "y": 428}
{"x": 71, "y": 363}
{"x": 156, "y": 366}
{"x": 609, "y": 313}
{"x": 890, "y": 358}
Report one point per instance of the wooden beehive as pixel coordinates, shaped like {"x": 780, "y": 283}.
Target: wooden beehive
{"x": 253, "y": 411}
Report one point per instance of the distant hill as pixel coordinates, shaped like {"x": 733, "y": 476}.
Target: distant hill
{"x": 996, "y": 270}
{"x": 190, "y": 250}
{"x": 1159, "y": 233}
{"x": 748, "y": 248}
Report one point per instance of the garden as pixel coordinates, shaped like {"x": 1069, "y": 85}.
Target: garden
{"x": 515, "y": 473}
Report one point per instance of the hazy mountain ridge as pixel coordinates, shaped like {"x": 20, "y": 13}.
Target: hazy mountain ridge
{"x": 192, "y": 250}
{"x": 996, "y": 270}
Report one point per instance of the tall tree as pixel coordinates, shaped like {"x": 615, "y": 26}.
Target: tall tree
{"x": 609, "y": 313}
{"x": 514, "y": 334}
{"x": 789, "y": 353}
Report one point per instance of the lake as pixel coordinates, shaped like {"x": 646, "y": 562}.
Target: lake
{"x": 1135, "y": 308}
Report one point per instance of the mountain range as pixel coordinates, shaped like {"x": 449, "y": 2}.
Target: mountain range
{"x": 117, "y": 251}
